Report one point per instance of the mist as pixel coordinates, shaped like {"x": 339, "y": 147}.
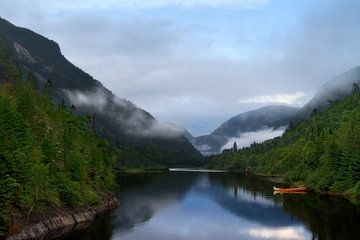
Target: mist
{"x": 247, "y": 138}
{"x": 197, "y": 65}
{"x": 135, "y": 122}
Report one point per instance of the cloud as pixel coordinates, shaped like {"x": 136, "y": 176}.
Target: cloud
{"x": 135, "y": 122}
{"x": 94, "y": 5}
{"x": 276, "y": 98}
{"x": 204, "y": 148}
{"x": 293, "y": 232}
{"x": 247, "y": 138}
{"x": 96, "y": 98}
{"x": 165, "y": 130}
{"x": 198, "y": 68}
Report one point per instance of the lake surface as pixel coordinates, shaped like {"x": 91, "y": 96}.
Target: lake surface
{"x": 226, "y": 206}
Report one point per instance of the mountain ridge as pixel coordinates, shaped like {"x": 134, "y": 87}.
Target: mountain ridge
{"x": 117, "y": 120}
{"x": 332, "y": 90}
{"x": 273, "y": 116}
{"x": 322, "y": 151}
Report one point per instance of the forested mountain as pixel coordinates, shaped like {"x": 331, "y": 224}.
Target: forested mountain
{"x": 322, "y": 151}
{"x": 265, "y": 117}
{"x": 277, "y": 116}
{"x": 141, "y": 140}
{"x": 334, "y": 89}
{"x": 48, "y": 156}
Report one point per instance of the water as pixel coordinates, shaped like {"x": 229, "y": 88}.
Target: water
{"x": 226, "y": 206}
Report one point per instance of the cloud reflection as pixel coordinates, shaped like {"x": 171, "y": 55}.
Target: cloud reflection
{"x": 288, "y": 233}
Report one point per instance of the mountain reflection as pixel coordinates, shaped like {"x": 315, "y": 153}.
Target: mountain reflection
{"x": 151, "y": 194}
{"x": 250, "y": 205}
{"x": 182, "y": 205}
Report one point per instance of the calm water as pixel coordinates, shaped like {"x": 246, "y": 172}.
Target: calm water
{"x": 195, "y": 205}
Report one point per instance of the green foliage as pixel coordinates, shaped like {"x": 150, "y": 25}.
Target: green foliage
{"x": 112, "y": 124}
{"x": 323, "y": 151}
{"x": 47, "y": 155}
{"x": 8, "y": 69}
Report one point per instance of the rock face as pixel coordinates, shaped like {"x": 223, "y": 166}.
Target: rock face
{"x": 60, "y": 222}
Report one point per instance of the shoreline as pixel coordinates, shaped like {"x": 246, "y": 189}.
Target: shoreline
{"x": 196, "y": 170}
{"x": 61, "y": 221}
{"x": 279, "y": 179}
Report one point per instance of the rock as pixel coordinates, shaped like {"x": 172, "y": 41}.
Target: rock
{"x": 61, "y": 221}
{"x": 85, "y": 216}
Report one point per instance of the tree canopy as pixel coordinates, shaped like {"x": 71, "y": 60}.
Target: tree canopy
{"x": 323, "y": 151}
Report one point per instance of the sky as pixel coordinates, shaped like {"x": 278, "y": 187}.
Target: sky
{"x": 196, "y": 63}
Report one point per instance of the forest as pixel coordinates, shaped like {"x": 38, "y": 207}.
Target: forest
{"x": 45, "y": 61}
{"x": 322, "y": 152}
{"x": 48, "y": 155}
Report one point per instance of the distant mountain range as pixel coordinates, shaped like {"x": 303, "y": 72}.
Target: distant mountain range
{"x": 272, "y": 117}
{"x": 143, "y": 140}
{"x": 275, "y": 117}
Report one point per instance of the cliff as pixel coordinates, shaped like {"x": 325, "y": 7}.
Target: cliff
{"x": 55, "y": 222}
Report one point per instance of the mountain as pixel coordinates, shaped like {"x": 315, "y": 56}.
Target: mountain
{"x": 333, "y": 90}
{"x": 49, "y": 158}
{"x": 141, "y": 139}
{"x": 277, "y": 116}
{"x": 322, "y": 151}
{"x": 272, "y": 117}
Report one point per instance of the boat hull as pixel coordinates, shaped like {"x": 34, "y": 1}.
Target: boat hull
{"x": 290, "y": 190}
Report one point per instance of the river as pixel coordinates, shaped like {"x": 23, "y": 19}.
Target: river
{"x": 225, "y": 206}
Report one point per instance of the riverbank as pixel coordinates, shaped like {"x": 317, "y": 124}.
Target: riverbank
{"x": 141, "y": 170}
{"x": 209, "y": 200}
{"x": 55, "y": 222}
{"x": 279, "y": 179}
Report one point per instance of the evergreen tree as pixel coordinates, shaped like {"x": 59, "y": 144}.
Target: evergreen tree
{"x": 235, "y": 149}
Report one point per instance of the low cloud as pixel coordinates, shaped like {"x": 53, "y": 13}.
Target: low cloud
{"x": 90, "y": 5}
{"x": 194, "y": 67}
{"x": 96, "y": 98}
{"x": 292, "y": 232}
{"x": 204, "y": 149}
{"x": 135, "y": 122}
{"x": 294, "y": 98}
{"x": 247, "y": 138}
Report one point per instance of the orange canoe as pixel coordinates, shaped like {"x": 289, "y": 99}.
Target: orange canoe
{"x": 293, "y": 189}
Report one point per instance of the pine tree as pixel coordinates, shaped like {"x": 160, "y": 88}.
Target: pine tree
{"x": 235, "y": 149}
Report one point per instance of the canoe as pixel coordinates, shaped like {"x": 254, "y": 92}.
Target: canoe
{"x": 293, "y": 189}
{"x": 278, "y": 192}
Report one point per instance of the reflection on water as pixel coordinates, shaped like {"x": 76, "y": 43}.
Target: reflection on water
{"x": 184, "y": 205}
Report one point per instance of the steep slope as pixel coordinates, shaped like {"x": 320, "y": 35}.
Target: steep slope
{"x": 323, "y": 151}
{"x": 48, "y": 156}
{"x": 143, "y": 140}
{"x": 252, "y": 121}
{"x": 274, "y": 117}
{"x": 335, "y": 89}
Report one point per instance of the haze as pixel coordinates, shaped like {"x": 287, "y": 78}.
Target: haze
{"x": 197, "y": 63}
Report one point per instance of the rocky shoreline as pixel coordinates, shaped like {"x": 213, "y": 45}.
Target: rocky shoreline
{"x": 60, "y": 221}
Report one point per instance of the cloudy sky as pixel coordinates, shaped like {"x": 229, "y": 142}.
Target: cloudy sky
{"x": 198, "y": 62}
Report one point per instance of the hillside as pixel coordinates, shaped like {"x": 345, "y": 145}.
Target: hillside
{"x": 323, "y": 151}
{"x": 143, "y": 140}
{"x": 273, "y": 117}
{"x": 48, "y": 156}
{"x": 332, "y": 90}
{"x": 269, "y": 117}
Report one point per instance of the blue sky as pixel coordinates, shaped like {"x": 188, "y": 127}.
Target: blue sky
{"x": 196, "y": 63}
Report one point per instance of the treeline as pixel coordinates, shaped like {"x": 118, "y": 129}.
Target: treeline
{"x": 48, "y": 156}
{"x": 323, "y": 152}
{"x": 157, "y": 155}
